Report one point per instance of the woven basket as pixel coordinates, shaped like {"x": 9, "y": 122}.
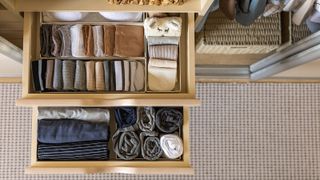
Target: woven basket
{"x": 299, "y": 32}
{"x": 223, "y": 36}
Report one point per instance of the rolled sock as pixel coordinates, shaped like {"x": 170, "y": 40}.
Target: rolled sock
{"x": 126, "y": 143}
{"x": 56, "y": 41}
{"x": 139, "y": 77}
{"x": 168, "y": 120}
{"x": 146, "y": 119}
{"x": 49, "y": 74}
{"x": 84, "y": 114}
{"x": 109, "y": 39}
{"x": 90, "y": 76}
{"x": 133, "y": 67}
{"x": 77, "y": 43}
{"x": 98, "y": 41}
{"x": 155, "y": 40}
{"x": 80, "y": 76}
{"x": 118, "y": 72}
{"x": 169, "y": 52}
{"x": 57, "y": 75}
{"x": 171, "y": 145}
{"x": 126, "y": 73}
{"x": 69, "y": 130}
{"x": 162, "y": 75}
{"x": 68, "y": 73}
{"x": 46, "y": 40}
{"x": 88, "y": 40}
{"x": 106, "y": 68}
{"x": 129, "y": 41}
{"x": 125, "y": 116}
{"x": 42, "y": 65}
{"x": 35, "y": 75}
{"x": 150, "y": 146}
{"x": 65, "y": 35}
{"x": 100, "y": 85}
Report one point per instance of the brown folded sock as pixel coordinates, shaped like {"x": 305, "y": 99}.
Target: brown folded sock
{"x": 100, "y": 84}
{"x": 109, "y": 39}
{"x": 129, "y": 41}
{"x": 90, "y": 76}
{"x": 49, "y": 74}
{"x": 88, "y": 40}
{"x": 169, "y": 52}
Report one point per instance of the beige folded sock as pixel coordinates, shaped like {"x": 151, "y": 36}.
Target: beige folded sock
{"x": 100, "y": 84}
{"x": 126, "y": 73}
{"x": 169, "y": 52}
{"x": 139, "y": 78}
{"x": 109, "y": 39}
{"x": 90, "y": 76}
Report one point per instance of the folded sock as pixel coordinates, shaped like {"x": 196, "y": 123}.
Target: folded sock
{"x": 139, "y": 78}
{"x": 90, "y": 76}
{"x": 56, "y": 40}
{"x": 118, "y": 72}
{"x": 133, "y": 68}
{"x": 65, "y": 35}
{"x": 129, "y": 41}
{"x": 126, "y": 143}
{"x": 98, "y": 41}
{"x": 57, "y": 75}
{"x": 69, "y": 130}
{"x": 126, "y": 74}
{"x": 88, "y": 40}
{"x": 150, "y": 146}
{"x": 68, "y": 73}
{"x": 109, "y": 39}
{"x": 35, "y": 75}
{"x": 46, "y": 40}
{"x": 100, "y": 85}
{"x": 80, "y": 76}
{"x": 42, "y": 66}
{"x": 106, "y": 68}
{"x": 169, "y": 52}
{"x": 168, "y": 120}
{"x": 112, "y": 76}
{"x": 49, "y": 74}
{"x": 77, "y": 43}
{"x": 162, "y": 75}
{"x": 125, "y": 116}
{"x": 155, "y": 40}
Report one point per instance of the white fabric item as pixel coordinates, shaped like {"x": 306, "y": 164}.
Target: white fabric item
{"x": 168, "y": 26}
{"x": 126, "y": 70}
{"x": 302, "y": 12}
{"x": 161, "y": 78}
{"x": 291, "y": 5}
{"x": 171, "y": 145}
{"x": 97, "y": 32}
{"x": 118, "y": 71}
{"x": 85, "y": 114}
{"x": 315, "y": 17}
{"x": 122, "y": 16}
{"x": 68, "y": 15}
{"x": 133, "y": 67}
{"x": 77, "y": 43}
{"x": 271, "y": 9}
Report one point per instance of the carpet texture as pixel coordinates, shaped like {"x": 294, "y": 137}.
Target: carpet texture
{"x": 241, "y": 131}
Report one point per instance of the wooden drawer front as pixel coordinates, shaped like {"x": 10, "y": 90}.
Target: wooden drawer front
{"x": 186, "y": 75}
{"x": 161, "y": 166}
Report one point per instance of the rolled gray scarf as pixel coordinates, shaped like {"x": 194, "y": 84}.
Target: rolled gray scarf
{"x": 126, "y": 143}
{"x": 146, "y": 118}
{"x": 168, "y": 120}
{"x": 150, "y": 146}
{"x": 80, "y": 76}
{"x": 68, "y": 72}
{"x": 57, "y": 75}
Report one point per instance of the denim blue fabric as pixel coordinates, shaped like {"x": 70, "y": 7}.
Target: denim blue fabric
{"x": 125, "y": 116}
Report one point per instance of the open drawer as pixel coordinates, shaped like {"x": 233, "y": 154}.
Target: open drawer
{"x": 138, "y": 165}
{"x": 185, "y": 96}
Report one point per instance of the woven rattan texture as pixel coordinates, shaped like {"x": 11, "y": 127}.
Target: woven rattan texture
{"x": 241, "y": 131}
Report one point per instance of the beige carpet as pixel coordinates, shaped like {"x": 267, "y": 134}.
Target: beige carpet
{"x": 242, "y": 131}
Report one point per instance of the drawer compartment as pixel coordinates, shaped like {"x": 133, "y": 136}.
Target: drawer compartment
{"x": 184, "y": 91}
{"x": 114, "y": 163}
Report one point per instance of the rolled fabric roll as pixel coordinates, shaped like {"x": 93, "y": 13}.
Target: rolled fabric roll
{"x": 77, "y": 43}
{"x": 125, "y": 116}
{"x": 91, "y": 150}
{"x": 129, "y": 41}
{"x": 56, "y": 40}
{"x": 46, "y": 40}
{"x": 150, "y": 146}
{"x": 146, "y": 118}
{"x": 98, "y": 41}
{"x": 118, "y": 72}
{"x": 109, "y": 39}
{"x": 100, "y": 85}
{"x": 139, "y": 80}
{"x": 65, "y": 35}
{"x": 168, "y": 120}
{"x": 80, "y": 76}
{"x": 122, "y": 16}
{"x": 85, "y": 114}
{"x": 68, "y": 73}
{"x": 133, "y": 67}
{"x": 168, "y": 52}
{"x": 106, "y": 68}
{"x": 154, "y": 40}
{"x": 49, "y": 74}
{"x": 90, "y": 76}
{"x": 88, "y": 40}
{"x": 57, "y": 75}
{"x": 171, "y": 145}
{"x": 126, "y": 143}
{"x": 69, "y": 130}
{"x": 126, "y": 74}
{"x": 42, "y": 66}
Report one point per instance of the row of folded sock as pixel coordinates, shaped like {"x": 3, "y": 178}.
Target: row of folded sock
{"x": 91, "y": 40}
{"x": 81, "y": 75}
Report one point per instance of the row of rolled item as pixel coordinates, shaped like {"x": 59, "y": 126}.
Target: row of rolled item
{"x": 81, "y": 40}
{"x": 67, "y": 133}
{"x": 88, "y": 75}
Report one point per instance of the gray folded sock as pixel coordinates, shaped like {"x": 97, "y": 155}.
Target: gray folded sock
{"x": 57, "y": 75}
{"x": 56, "y": 40}
{"x": 68, "y": 73}
{"x": 49, "y": 74}
{"x": 65, "y": 34}
{"x": 80, "y": 76}
{"x": 106, "y": 67}
{"x": 42, "y": 66}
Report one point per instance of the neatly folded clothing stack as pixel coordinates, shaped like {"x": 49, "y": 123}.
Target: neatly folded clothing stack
{"x": 73, "y": 134}
{"x": 91, "y": 40}
{"x": 82, "y": 75}
{"x": 163, "y": 35}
